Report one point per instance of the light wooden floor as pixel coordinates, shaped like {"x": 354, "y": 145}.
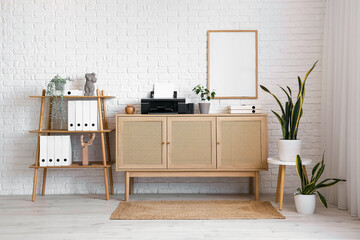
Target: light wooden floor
{"x": 87, "y": 217}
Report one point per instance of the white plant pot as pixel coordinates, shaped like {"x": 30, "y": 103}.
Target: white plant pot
{"x": 305, "y": 204}
{"x": 288, "y": 149}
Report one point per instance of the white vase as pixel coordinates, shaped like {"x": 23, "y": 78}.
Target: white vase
{"x": 305, "y": 204}
{"x": 289, "y": 149}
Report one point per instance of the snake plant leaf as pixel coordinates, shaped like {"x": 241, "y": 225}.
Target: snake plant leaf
{"x": 289, "y": 90}
{"x": 277, "y": 100}
{"x": 278, "y": 117}
{"x": 324, "y": 184}
{"x": 299, "y": 83}
{"x": 314, "y": 170}
{"x": 295, "y": 117}
{"x": 289, "y": 98}
{"x": 300, "y": 172}
{"x": 322, "y": 199}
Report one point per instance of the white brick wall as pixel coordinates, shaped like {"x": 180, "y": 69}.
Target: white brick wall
{"x": 131, "y": 45}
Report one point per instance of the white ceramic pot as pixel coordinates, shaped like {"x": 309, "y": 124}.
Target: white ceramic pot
{"x": 305, "y": 204}
{"x": 288, "y": 149}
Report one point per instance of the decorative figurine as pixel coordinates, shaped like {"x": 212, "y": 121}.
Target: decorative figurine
{"x": 89, "y": 85}
{"x": 85, "y": 161}
{"x": 129, "y": 109}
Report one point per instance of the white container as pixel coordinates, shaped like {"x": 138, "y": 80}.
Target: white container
{"x": 305, "y": 204}
{"x": 289, "y": 149}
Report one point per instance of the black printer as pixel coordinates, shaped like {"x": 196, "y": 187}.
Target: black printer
{"x": 166, "y": 105}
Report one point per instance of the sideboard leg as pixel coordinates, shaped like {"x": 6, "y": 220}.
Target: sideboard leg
{"x": 251, "y": 185}
{"x": 257, "y": 186}
{"x": 44, "y": 181}
{"x": 127, "y": 185}
{"x": 35, "y": 183}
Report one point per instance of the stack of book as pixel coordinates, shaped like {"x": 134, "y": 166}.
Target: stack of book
{"x": 246, "y": 109}
{"x": 55, "y": 151}
{"x": 83, "y": 115}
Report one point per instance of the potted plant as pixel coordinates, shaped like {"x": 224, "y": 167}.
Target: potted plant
{"x": 305, "y": 197}
{"x": 205, "y": 94}
{"x": 289, "y": 146}
{"x": 55, "y": 89}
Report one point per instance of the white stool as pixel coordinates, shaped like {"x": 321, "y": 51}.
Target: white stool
{"x": 281, "y": 176}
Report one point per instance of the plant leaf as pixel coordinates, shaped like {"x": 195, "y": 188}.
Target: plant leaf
{"x": 295, "y": 117}
{"x": 300, "y": 172}
{"x": 322, "y": 199}
{"x": 277, "y": 100}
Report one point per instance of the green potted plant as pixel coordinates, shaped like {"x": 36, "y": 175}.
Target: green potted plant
{"x": 55, "y": 89}
{"x": 305, "y": 197}
{"x": 289, "y": 146}
{"x": 205, "y": 94}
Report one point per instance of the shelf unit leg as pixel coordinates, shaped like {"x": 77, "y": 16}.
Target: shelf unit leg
{"x": 106, "y": 184}
{"x": 251, "y": 185}
{"x": 44, "y": 181}
{"x": 35, "y": 183}
{"x": 111, "y": 180}
{"x": 106, "y": 126}
{"x": 257, "y": 186}
{"x": 127, "y": 186}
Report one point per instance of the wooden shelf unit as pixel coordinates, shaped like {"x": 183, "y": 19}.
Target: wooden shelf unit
{"x": 105, "y": 163}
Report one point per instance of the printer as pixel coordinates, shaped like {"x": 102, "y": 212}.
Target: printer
{"x": 166, "y": 105}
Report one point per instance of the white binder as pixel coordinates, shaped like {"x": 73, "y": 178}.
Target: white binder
{"x": 66, "y": 158}
{"x": 71, "y": 115}
{"x": 86, "y": 115}
{"x": 78, "y": 116}
{"x": 58, "y": 150}
{"x": 94, "y": 115}
{"x": 51, "y": 150}
{"x": 43, "y": 151}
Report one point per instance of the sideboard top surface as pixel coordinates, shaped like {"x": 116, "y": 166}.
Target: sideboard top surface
{"x": 195, "y": 115}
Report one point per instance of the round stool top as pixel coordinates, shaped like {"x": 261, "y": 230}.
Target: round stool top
{"x": 277, "y": 161}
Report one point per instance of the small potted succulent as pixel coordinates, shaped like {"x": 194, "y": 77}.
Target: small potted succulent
{"x": 305, "y": 197}
{"x": 289, "y": 146}
{"x": 205, "y": 94}
{"x": 55, "y": 89}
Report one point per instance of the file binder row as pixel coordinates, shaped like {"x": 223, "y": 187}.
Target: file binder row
{"x": 82, "y": 115}
{"x": 55, "y": 151}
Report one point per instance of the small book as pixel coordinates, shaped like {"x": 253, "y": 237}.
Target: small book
{"x": 86, "y": 115}
{"x": 245, "y": 107}
{"x": 78, "y": 115}
{"x": 66, "y": 151}
{"x": 246, "y": 111}
{"x": 93, "y": 113}
{"x": 71, "y": 115}
{"x": 57, "y": 156}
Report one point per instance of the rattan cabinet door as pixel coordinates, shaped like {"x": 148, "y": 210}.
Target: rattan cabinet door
{"x": 241, "y": 142}
{"x": 191, "y": 142}
{"x": 141, "y": 142}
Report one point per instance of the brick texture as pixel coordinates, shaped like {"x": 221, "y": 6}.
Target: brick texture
{"x": 131, "y": 45}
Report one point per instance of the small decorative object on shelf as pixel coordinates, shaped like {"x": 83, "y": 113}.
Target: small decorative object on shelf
{"x": 205, "y": 94}
{"x": 56, "y": 88}
{"x": 305, "y": 197}
{"x": 289, "y": 146}
{"x": 89, "y": 87}
{"x": 130, "y": 109}
{"x": 85, "y": 161}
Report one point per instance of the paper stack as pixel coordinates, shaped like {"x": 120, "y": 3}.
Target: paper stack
{"x": 55, "y": 151}
{"x": 246, "y": 109}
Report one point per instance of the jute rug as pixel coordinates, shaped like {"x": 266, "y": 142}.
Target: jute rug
{"x": 186, "y": 210}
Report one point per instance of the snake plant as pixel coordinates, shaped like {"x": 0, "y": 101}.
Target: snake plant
{"x": 291, "y": 113}
{"x": 309, "y": 187}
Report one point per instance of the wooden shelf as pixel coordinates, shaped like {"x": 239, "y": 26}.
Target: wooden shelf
{"x": 66, "y": 131}
{"x": 95, "y": 97}
{"x": 94, "y": 164}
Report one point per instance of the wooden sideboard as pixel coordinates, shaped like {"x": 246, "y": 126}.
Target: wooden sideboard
{"x": 196, "y": 145}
